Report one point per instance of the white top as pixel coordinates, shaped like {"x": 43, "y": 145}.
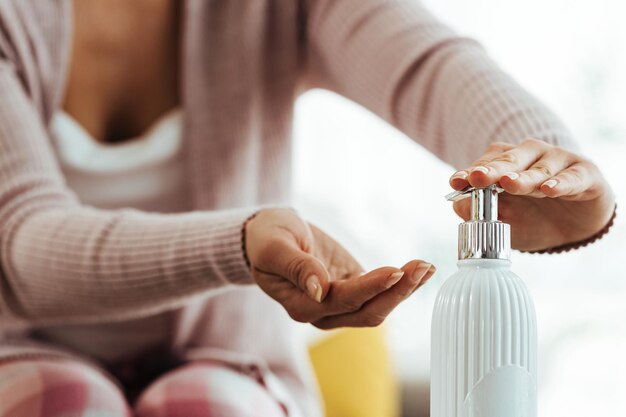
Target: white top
{"x": 146, "y": 172}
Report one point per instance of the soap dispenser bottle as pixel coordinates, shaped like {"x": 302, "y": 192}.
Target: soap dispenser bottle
{"x": 484, "y": 329}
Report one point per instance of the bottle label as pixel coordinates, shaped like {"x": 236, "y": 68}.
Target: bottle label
{"x": 506, "y": 391}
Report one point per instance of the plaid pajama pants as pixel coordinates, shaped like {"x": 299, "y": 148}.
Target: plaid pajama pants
{"x": 65, "y": 388}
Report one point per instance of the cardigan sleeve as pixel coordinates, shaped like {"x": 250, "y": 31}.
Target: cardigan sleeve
{"x": 442, "y": 90}
{"x": 62, "y": 261}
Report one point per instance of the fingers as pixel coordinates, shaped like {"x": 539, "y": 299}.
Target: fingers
{"x": 529, "y": 180}
{"x": 346, "y": 295}
{"x": 532, "y": 168}
{"x": 460, "y": 179}
{"x": 462, "y": 208}
{"x": 350, "y": 294}
{"x": 283, "y": 258}
{"x": 515, "y": 159}
{"x": 574, "y": 183}
{"x": 374, "y": 312}
{"x": 342, "y": 264}
{"x": 500, "y": 158}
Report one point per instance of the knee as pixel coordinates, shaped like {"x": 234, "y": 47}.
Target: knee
{"x": 206, "y": 389}
{"x": 51, "y": 388}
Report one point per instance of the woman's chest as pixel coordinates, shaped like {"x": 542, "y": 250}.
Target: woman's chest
{"x": 123, "y": 69}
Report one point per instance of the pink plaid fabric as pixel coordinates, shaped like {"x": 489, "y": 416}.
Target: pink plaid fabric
{"x": 207, "y": 389}
{"x": 65, "y": 388}
{"x": 58, "y": 388}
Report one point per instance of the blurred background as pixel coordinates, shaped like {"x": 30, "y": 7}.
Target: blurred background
{"x": 385, "y": 201}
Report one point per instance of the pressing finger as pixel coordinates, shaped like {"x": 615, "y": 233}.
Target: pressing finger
{"x": 459, "y": 179}
{"x": 529, "y": 181}
{"x": 516, "y": 159}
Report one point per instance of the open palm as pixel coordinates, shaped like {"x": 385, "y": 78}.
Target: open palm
{"x": 316, "y": 280}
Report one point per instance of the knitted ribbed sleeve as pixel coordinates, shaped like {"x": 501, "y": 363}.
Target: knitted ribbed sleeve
{"x": 396, "y": 59}
{"x": 62, "y": 261}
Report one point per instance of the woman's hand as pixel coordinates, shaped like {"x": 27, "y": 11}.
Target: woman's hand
{"x": 316, "y": 280}
{"x": 553, "y": 196}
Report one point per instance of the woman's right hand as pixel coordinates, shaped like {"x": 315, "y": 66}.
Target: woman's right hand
{"x": 316, "y": 280}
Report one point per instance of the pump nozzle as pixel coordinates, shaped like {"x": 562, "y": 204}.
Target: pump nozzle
{"x": 483, "y": 235}
{"x": 484, "y": 201}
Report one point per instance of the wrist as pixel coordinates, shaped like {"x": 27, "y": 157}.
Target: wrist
{"x": 256, "y": 226}
{"x": 581, "y": 243}
{"x": 245, "y": 234}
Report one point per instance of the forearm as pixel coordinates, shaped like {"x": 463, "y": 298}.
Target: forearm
{"x": 469, "y": 104}
{"x": 79, "y": 263}
{"x": 442, "y": 90}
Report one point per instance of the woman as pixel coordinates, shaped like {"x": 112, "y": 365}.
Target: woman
{"x": 144, "y": 172}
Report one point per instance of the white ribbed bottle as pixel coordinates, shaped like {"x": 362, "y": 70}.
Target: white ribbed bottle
{"x": 484, "y": 330}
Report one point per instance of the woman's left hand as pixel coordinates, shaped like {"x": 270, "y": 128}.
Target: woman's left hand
{"x": 553, "y": 196}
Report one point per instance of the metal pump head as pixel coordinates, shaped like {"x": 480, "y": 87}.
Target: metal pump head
{"x": 483, "y": 236}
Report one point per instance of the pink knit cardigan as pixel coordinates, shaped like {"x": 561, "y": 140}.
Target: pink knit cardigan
{"x": 243, "y": 65}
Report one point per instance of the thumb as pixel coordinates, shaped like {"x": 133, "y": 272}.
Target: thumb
{"x": 462, "y": 208}
{"x": 286, "y": 259}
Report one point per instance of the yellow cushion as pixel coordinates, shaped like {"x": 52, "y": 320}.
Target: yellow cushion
{"x": 355, "y": 374}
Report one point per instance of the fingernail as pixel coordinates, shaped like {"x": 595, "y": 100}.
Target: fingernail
{"x": 393, "y": 279}
{"x": 313, "y": 288}
{"x": 481, "y": 168}
{"x": 432, "y": 269}
{"x": 511, "y": 175}
{"x": 419, "y": 273}
{"x": 460, "y": 174}
{"x": 550, "y": 183}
